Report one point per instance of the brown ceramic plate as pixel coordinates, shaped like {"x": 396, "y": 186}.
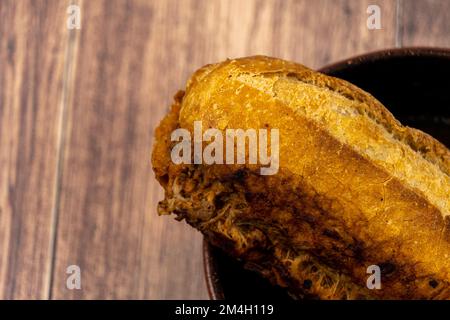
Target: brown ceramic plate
{"x": 413, "y": 83}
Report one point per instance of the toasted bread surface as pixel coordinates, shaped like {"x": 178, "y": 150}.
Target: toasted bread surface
{"x": 355, "y": 188}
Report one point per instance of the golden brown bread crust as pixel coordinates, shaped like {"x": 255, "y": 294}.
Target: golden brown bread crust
{"x": 355, "y": 187}
{"x": 429, "y": 147}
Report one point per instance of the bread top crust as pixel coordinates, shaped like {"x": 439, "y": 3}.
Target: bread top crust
{"x": 430, "y": 148}
{"x": 249, "y": 92}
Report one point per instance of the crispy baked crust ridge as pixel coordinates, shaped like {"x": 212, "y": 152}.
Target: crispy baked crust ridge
{"x": 330, "y": 209}
{"x": 430, "y": 148}
{"x": 419, "y": 141}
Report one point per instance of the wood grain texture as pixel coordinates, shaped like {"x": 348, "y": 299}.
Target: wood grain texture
{"x": 32, "y": 55}
{"x": 107, "y": 221}
{"x": 425, "y": 23}
{"x": 130, "y": 59}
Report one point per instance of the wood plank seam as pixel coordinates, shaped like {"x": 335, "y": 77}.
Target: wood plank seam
{"x": 68, "y": 81}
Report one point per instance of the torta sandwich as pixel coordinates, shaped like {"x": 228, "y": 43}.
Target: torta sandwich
{"x": 353, "y": 188}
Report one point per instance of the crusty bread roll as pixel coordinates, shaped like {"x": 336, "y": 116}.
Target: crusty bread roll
{"x": 354, "y": 188}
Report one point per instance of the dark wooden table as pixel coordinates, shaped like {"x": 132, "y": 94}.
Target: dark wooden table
{"x": 77, "y": 114}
